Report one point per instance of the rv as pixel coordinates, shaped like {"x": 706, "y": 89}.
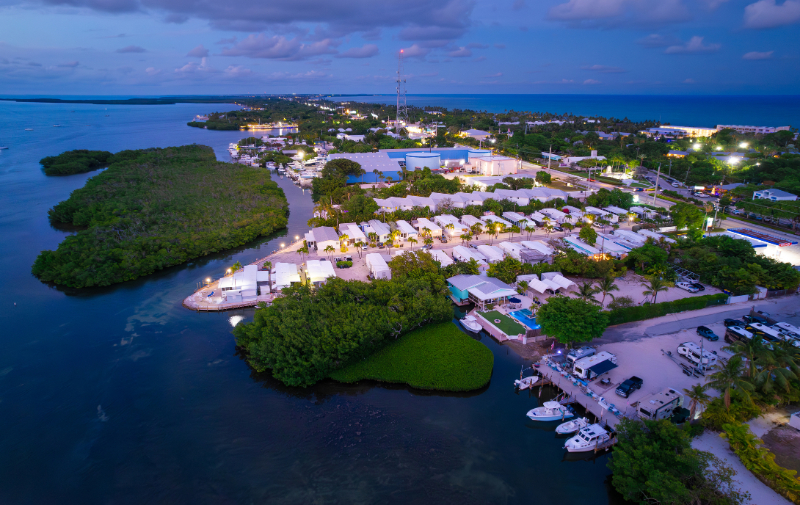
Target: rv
{"x": 767, "y": 332}
{"x": 591, "y": 367}
{"x": 576, "y": 354}
{"x": 660, "y": 405}
{"x": 692, "y": 351}
{"x": 737, "y": 334}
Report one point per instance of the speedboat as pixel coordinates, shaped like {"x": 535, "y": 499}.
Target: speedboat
{"x": 28, "y": 129}
{"x": 551, "y": 411}
{"x": 571, "y": 427}
{"x": 472, "y": 324}
{"x": 526, "y": 382}
{"x": 588, "y": 439}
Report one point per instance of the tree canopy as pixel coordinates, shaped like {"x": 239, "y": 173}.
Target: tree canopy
{"x": 75, "y": 162}
{"x": 571, "y": 320}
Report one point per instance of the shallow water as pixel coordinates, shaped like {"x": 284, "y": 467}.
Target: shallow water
{"x": 121, "y": 395}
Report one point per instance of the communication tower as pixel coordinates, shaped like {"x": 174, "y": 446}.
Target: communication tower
{"x": 402, "y": 109}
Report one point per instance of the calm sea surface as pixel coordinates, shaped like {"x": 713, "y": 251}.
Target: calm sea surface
{"x": 120, "y": 395}
{"x": 680, "y": 110}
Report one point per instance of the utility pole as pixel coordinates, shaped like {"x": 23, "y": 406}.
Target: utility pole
{"x": 549, "y": 157}
{"x": 402, "y": 109}
{"x": 655, "y": 191}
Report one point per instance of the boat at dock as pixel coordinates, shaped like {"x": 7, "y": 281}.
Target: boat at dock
{"x": 551, "y": 411}
{"x": 471, "y": 324}
{"x": 573, "y": 426}
{"x": 526, "y": 382}
{"x": 591, "y": 438}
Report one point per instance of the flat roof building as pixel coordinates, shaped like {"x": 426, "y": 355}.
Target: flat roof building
{"x": 321, "y": 237}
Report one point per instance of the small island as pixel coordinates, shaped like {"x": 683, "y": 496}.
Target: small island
{"x": 78, "y": 161}
{"x": 156, "y": 208}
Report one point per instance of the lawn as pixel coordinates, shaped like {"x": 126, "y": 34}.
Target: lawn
{"x": 437, "y": 356}
{"x": 506, "y": 324}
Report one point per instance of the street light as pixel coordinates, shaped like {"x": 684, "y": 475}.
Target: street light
{"x": 743, "y": 145}
{"x": 697, "y": 146}
{"x": 718, "y": 148}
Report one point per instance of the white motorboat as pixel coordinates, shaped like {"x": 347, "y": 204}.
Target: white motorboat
{"x": 3, "y": 147}
{"x": 28, "y": 129}
{"x": 572, "y": 426}
{"x": 589, "y": 439}
{"x": 526, "y": 382}
{"x": 472, "y": 324}
{"x": 551, "y": 411}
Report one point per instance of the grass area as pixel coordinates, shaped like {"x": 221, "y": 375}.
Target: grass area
{"x": 557, "y": 184}
{"x": 639, "y": 185}
{"x": 608, "y": 180}
{"x": 438, "y": 356}
{"x": 506, "y": 324}
{"x": 758, "y": 223}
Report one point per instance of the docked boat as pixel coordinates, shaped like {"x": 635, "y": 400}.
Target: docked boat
{"x": 472, "y": 324}
{"x": 588, "y": 439}
{"x": 571, "y": 427}
{"x": 526, "y": 382}
{"x": 551, "y": 411}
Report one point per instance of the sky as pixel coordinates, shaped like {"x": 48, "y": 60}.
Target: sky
{"x": 148, "y": 47}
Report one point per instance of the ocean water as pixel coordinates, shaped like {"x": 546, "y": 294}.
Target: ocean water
{"x": 121, "y": 395}
{"x": 686, "y": 110}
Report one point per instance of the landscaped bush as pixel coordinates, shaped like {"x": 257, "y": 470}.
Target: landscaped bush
{"x": 649, "y": 311}
{"x": 438, "y": 356}
{"x": 742, "y": 409}
{"x": 344, "y": 264}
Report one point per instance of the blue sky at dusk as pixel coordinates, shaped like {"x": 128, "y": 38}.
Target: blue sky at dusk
{"x": 107, "y": 47}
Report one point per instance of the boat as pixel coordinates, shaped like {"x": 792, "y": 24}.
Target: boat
{"x": 551, "y": 411}
{"x": 3, "y": 147}
{"x": 526, "y": 382}
{"x": 472, "y": 324}
{"x": 571, "y": 427}
{"x": 588, "y": 439}
{"x": 28, "y": 129}
{"x": 56, "y": 126}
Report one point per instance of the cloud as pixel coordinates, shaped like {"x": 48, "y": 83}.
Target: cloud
{"x": 604, "y": 69}
{"x": 415, "y": 51}
{"x": 657, "y": 40}
{"x": 603, "y": 13}
{"x": 279, "y": 47}
{"x": 237, "y": 71}
{"x": 695, "y": 45}
{"x": 366, "y": 51}
{"x": 768, "y": 14}
{"x": 151, "y": 71}
{"x": 231, "y": 40}
{"x": 69, "y": 64}
{"x": 476, "y": 45}
{"x": 176, "y": 18}
{"x": 194, "y": 68}
{"x": 591, "y": 81}
{"x": 689, "y": 81}
{"x": 498, "y": 74}
{"x": 131, "y": 49}
{"x": 755, "y": 55}
{"x": 198, "y": 52}
{"x": 518, "y": 5}
{"x": 460, "y": 52}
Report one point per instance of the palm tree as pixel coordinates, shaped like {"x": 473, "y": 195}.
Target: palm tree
{"x": 697, "y": 396}
{"x": 329, "y": 249}
{"x": 548, "y": 229}
{"x": 606, "y": 285}
{"x": 465, "y": 237}
{"x": 373, "y": 238}
{"x": 530, "y": 230}
{"x": 512, "y": 230}
{"x": 393, "y": 236}
{"x": 449, "y": 227}
{"x": 586, "y": 291}
{"x": 779, "y": 367}
{"x": 567, "y": 228}
{"x": 359, "y": 244}
{"x": 412, "y": 241}
{"x": 301, "y": 251}
{"x": 729, "y": 376}
{"x": 751, "y": 350}
{"x": 655, "y": 285}
{"x": 476, "y": 230}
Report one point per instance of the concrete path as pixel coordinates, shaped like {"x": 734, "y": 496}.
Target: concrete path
{"x": 760, "y": 493}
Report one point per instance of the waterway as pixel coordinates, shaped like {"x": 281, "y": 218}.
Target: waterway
{"x": 120, "y": 395}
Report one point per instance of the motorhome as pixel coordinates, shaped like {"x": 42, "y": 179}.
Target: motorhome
{"x": 692, "y": 352}
{"x": 769, "y": 333}
{"x": 737, "y": 334}
{"x": 660, "y": 405}
{"x": 591, "y": 367}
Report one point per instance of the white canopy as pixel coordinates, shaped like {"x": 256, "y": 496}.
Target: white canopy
{"x": 441, "y": 257}
{"x": 319, "y": 270}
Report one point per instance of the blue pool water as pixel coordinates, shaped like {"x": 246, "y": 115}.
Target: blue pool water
{"x": 524, "y": 317}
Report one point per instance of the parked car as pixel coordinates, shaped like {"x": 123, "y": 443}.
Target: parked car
{"x": 629, "y": 386}
{"x": 474, "y": 246}
{"x": 733, "y": 322}
{"x": 706, "y": 333}
{"x": 755, "y": 319}
{"x": 699, "y": 286}
{"x": 688, "y": 286}
{"x": 427, "y": 247}
{"x": 675, "y": 185}
{"x": 638, "y": 189}
{"x": 557, "y": 228}
{"x": 443, "y": 239}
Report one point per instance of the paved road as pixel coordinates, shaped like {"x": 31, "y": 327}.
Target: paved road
{"x": 785, "y": 308}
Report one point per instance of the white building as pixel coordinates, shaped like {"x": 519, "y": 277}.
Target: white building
{"x": 655, "y": 236}
{"x": 575, "y": 243}
{"x": 554, "y": 215}
{"x": 476, "y": 134}
{"x": 353, "y": 232}
{"x": 512, "y": 249}
{"x": 776, "y": 195}
{"x": 322, "y": 237}
{"x": 492, "y": 253}
{"x": 494, "y": 165}
{"x": 284, "y": 275}
{"x": 446, "y": 220}
{"x": 244, "y": 284}
{"x": 490, "y": 221}
{"x": 424, "y": 223}
{"x": 617, "y": 210}
{"x": 758, "y": 130}
{"x": 319, "y": 271}
{"x": 629, "y": 236}
{"x": 465, "y": 254}
{"x": 378, "y": 267}
{"x": 602, "y": 214}
{"x": 610, "y": 247}
{"x": 382, "y": 230}
{"x": 406, "y": 230}
{"x": 469, "y": 221}
{"x": 442, "y": 257}
{"x": 517, "y": 219}
{"x": 538, "y": 245}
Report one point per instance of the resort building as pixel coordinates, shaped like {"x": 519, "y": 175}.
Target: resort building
{"x": 479, "y": 289}
{"x": 494, "y": 165}
{"x": 319, "y": 271}
{"x": 775, "y": 195}
{"x": 284, "y": 275}
{"x": 321, "y": 237}
{"x": 757, "y": 130}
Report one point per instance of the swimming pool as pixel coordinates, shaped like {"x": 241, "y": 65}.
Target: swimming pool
{"x": 524, "y": 317}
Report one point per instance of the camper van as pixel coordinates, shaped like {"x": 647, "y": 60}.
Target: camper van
{"x": 769, "y": 333}
{"x": 691, "y": 351}
{"x": 594, "y": 366}
{"x": 737, "y": 334}
{"x": 576, "y": 354}
{"x": 660, "y": 405}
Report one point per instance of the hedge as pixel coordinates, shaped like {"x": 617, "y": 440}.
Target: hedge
{"x": 438, "y": 356}
{"x": 649, "y": 311}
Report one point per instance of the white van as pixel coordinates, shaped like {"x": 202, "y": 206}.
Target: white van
{"x": 691, "y": 351}
{"x": 594, "y": 366}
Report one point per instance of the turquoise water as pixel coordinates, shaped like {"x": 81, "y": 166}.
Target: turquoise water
{"x": 523, "y": 316}
{"x": 675, "y": 109}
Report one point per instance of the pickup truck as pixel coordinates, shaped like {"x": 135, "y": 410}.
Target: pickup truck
{"x": 629, "y": 386}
